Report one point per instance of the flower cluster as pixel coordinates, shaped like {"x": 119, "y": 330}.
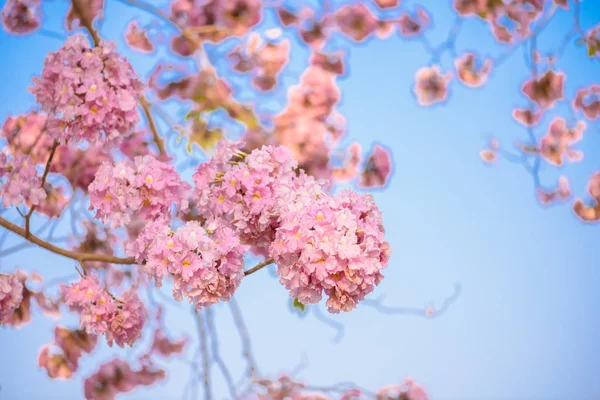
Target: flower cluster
{"x": 334, "y": 245}
{"x": 137, "y": 38}
{"x": 561, "y": 192}
{"x": 145, "y": 187}
{"x": 378, "y": 168}
{"x": 470, "y": 73}
{"x": 90, "y": 93}
{"x": 587, "y": 100}
{"x": 72, "y": 345}
{"x": 247, "y": 190}
{"x": 546, "y": 89}
{"x": 26, "y": 134}
{"x": 407, "y": 390}
{"x": 590, "y": 213}
{"x": 11, "y": 295}
{"x": 165, "y": 346}
{"x": 206, "y": 264}
{"x": 19, "y": 181}
{"x": 212, "y": 20}
{"x": 556, "y": 144}
{"x": 21, "y": 16}
{"x": 121, "y": 320}
{"x": 79, "y": 166}
{"x": 431, "y": 86}
{"x": 116, "y": 377}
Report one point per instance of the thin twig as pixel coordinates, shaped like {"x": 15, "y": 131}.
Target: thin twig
{"x": 204, "y": 350}
{"x": 216, "y": 354}
{"x": 259, "y": 266}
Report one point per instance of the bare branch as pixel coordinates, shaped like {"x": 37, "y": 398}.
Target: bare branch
{"x": 216, "y": 354}
{"x": 204, "y": 351}
{"x": 246, "y": 345}
{"x": 259, "y": 266}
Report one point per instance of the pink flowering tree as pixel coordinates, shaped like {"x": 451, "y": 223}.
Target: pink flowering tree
{"x": 266, "y": 191}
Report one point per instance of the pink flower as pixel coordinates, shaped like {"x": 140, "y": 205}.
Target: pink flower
{"x": 137, "y": 38}
{"x": 27, "y": 134}
{"x": 377, "y": 169}
{"x": 116, "y": 377}
{"x": 11, "y": 295}
{"x": 545, "y": 90}
{"x": 413, "y": 25}
{"x": 558, "y": 141}
{"x": 21, "y": 16}
{"x": 561, "y": 192}
{"x": 71, "y": 344}
{"x": 408, "y": 390}
{"x": 527, "y": 117}
{"x": 145, "y": 187}
{"x": 387, "y": 3}
{"x": 206, "y": 264}
{"x": 165, "y": 346}
{"x": 356, "y": 21}
{"x": 330, "y": 62}
{"x": 89, "y": 93}
{"x": 431, "y": 86}
{"x": 19, "y": 181}
{"x": 470, "y": 73}
{"x": 333, "y": 245}
{"x": 79, "y": 166}
{"x": 588, "y": 101}
{"x": 100, "y": 313}
{"x": 590, "y": 213}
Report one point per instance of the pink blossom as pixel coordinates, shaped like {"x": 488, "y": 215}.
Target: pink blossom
{"x": 333, "y": 245}
{"x": 100, "y": 313}
{"x": 206, "y": 263}
{"x": 470, "y": 73}
{"x": 61, "y": 358}
{"x": 351, "y": 164}
{"x": 89, "y": 93}
{"x": 556, "y": 144}
{"x": 164, "y": 346}
{"x": 137, "y": 38}
{"x": 377, "y": 169}
{"x": 588, "y": 101}
{"x": 561, "y": 192}
{"x": 330, "y": 62}
{"x": 116, "y": 377}
{"x": 356, "y": 21}
{"x": 26, "y": 134}
{"x": 78, "y": 165}
{"x": 21, "y": 16}
{"x": 407, "y": 390}
{"x": 413, "y": 25}
{"x": 591, "y": 212}
{"x": 11, "y": 295}
{"x": 387, "y": 3}
{"x": 545, "y": 90}
{"x": 431, "y": 86}
{"x": 144, "y": 186}
{"x": 527, "y": 117}
{"x": 19, "y": 181}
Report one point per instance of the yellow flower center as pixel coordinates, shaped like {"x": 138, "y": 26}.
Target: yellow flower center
{"x": 93, "y": 88}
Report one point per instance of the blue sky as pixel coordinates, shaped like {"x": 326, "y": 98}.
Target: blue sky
{"x": 525, "y": 324}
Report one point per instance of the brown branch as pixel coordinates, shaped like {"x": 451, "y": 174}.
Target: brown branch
{"x": 160, "y": 143}
{"x": 80, "y": 257}
{"x": 259, "y": 266}
{"x": 85, "y": 22}
{"x": 44, "y": 176}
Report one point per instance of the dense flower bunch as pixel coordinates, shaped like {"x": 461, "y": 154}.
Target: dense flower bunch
{"x": 145, "y": 187}
{"x": 79, "y": 166}
{"x": 11, "y": 295}
{"x": 72, "y": 344}
{"x": 431, "y": 86}
{"x": 26, "y": 134}
{"x": 116, "y": 377}
{"x": 120, "y": 320}
{"x": 335, "y": 245}
{"x": 90, "y": 93}
{"x": 249, "y": 190}
{"x": 21, "y": 16}
{"x": 212, "y": 20}
{"x": 19, "y": 181}
{"x": 206, "y": 264}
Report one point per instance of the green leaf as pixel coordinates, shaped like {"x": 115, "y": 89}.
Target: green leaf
{"x": 592, "y": 51}
{"x": 298, "y": 305}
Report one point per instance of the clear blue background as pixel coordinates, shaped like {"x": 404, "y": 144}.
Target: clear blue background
{"x": 525, "y": 325}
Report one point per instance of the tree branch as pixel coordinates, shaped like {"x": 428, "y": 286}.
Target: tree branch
{"x": 204, "y": 350}
{"x": 80, "y": 257}
{"x": 259, "y": 266}
{"x": 85, "y": 22}
{"x": 160, "y": 143}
